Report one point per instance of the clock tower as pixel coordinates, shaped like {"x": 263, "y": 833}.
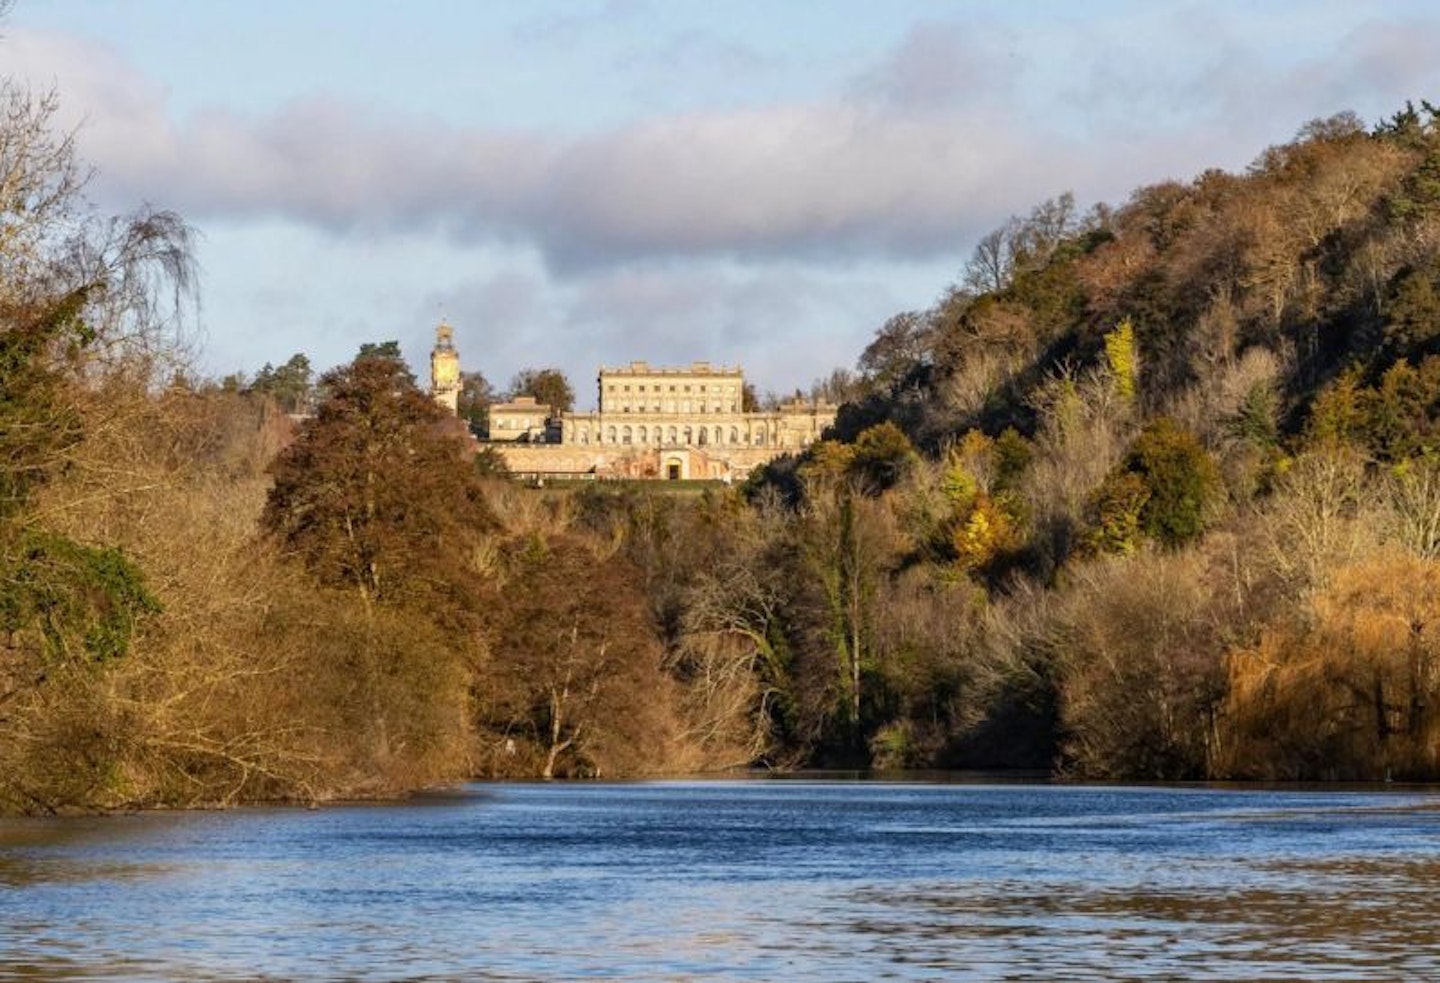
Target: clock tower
{"x": 445, "y": 369}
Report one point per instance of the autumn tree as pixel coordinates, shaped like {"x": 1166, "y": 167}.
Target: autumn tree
{"x": 840, "y": 386}
{"x": 1121, "y": 358}
{"x": 376, "y": 498}
{"x": 732, "y": 654}
{"x": 1348, "y": 692}
{"x": 374, "y": 495}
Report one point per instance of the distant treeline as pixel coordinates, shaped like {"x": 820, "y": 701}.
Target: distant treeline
{"x": 1152, "y": 492}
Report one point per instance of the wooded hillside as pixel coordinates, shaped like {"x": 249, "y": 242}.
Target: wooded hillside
{"x": 1151, "y": 492}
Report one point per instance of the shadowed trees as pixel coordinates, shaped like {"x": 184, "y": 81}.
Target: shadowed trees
{"x": 576, "y": 672}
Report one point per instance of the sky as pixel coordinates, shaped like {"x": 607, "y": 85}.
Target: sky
{"x": 583, "y": 183}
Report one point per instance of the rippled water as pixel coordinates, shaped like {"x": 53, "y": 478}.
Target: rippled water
{"x": 744, "y": 880}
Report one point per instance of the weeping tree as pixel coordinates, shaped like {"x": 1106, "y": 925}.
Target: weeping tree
{"x": 82, "y": 300}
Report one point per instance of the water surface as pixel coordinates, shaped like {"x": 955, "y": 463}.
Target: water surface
{"x": 742, "y": 880}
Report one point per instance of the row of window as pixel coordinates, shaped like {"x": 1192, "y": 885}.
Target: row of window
{"x": 613, "y": 387}
{"x": 672, "y": 435}
{"x": 684, "y": 406}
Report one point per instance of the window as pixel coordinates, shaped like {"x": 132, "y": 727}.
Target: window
{"x": 625, "y": 436}
{"x": 734, "y": 436}
{"x": 672, "y": 435}
{"x": 642, "y": 435}
{"x": 610, "y": 435}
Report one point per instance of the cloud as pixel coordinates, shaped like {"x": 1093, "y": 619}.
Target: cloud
{"x": 830, "y": 179}
{"x": 1395, "y": 57}
{"x": 940, "y": 64}
{"x": 935, "y": 143}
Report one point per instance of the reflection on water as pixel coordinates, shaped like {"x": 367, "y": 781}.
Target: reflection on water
{"x": 739, "y": 881}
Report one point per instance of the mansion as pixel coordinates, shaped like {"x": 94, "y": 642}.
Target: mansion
{"x": 651, "y": 422}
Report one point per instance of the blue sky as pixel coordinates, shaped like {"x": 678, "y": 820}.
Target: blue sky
{"x": 581, "y": 183}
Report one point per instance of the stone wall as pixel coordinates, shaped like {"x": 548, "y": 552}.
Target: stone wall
{"x": 684, "y": 463}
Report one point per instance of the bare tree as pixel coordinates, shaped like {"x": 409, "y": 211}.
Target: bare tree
{"x": 992, "y": 264}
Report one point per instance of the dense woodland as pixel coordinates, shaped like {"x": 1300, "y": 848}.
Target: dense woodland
{"x": 1151, "y": 492}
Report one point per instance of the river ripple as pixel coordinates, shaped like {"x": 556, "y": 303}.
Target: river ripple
{"x": 739, "y": 880}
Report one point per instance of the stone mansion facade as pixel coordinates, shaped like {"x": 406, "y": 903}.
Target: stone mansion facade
{"x": 651, "y": 422}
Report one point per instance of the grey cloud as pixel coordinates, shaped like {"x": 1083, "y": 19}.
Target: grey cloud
{"x": 825, "y": 179}
{"x": 828, "y": 179}
{"x": 945, "y": 64}
{"x": 1388, "y": 56}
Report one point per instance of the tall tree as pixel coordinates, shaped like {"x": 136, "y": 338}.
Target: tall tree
{"x": 548, "y": 386}
{"x": 900, "y": 346}
{"x": 289, "y": 384}
{"x": 473, "y": 404}
{"x": 374, "y": 495}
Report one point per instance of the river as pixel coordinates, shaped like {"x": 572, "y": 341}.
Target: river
{"x": 739, "y": 880}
